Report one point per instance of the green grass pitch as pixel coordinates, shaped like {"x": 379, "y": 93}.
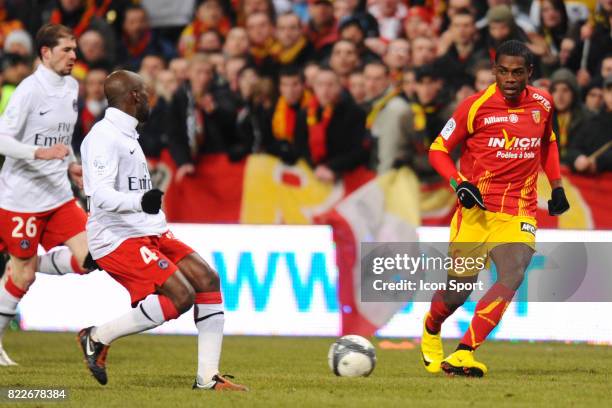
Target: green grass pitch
{"x": 151, "y": 371}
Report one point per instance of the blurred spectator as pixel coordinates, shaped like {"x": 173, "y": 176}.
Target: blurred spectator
{"x": 218, "y": 61}
{"x": 389, "y": 14}
{"x": 464, "y": 52}
{"x": 200, "y": 118}
{"x": 138, "y": 40}
{"x": 92, "y": 52}
{"x": 409, "y": 84}
{"x": 566, "y": 50}
{"x": 180, "y": 69}
{"x": 387, "y": 115}
{"x": 210, "y": 41}
{"x": 81, "y": 15}
{"x": 569, "y": 114}
{"x": 263, "y": 45}
{"x": 522, "y": 20}
{"x": 606, "y": 66}
{"x": 153, "y": 137}
{"x": 322, "y": 28}
{"x": 293, "y": 97}
{"x": 554, "y": 27}
{"x": 14, "y": 70}
{"x": 587, "y": 58}
{"x": 351, "y": 30}
{"x": 209, "y": 15}
{"x": 248, "y": 7}
{"x": 18, "y": 42}
{"x": 233, "y": 66}
{"x": 593, "y": 96}
{"x": 341, "y": 10}
{"x": 253, "y": 122}
{"x": 397, "y": 58}
{"x": 9, "y": 21}
{"x": 293, "y": 45}
{"x": 591, "y": 150}
{"x": 428, "y": 114}
{"x": 330, "y": 133}
{"x": 501, "y": 27}
{"x": 344, "y": 60}
{"x": 151, "y": 66}
{"x": 483, "y": 76}
{"x": 356, "y": 88}
{"x": 236, "y": 43}
{"x": 310, "y": 71}
{"x": 418, "y": 23}
{"x": 166, "y": 84}
{"x": 91, "y": 107}
{"x": 423, "y": 51}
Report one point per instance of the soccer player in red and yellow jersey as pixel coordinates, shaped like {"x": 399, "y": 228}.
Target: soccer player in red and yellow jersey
{"x": 506, "y": 131}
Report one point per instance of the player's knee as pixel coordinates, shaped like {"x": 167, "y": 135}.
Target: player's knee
{"x": 184, "y": 298}
{"x": 454, "y": 300}
{"x": 513, "y": 277}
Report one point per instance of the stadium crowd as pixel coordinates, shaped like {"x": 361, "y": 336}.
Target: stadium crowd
{"x": 341, "y": 84}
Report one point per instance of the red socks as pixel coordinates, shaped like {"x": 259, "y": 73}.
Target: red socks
{"x": 488, "y": 313}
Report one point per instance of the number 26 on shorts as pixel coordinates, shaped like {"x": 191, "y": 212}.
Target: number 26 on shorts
{"x": 29, "y": 230}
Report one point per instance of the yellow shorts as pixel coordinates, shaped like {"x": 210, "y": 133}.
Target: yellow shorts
{"x": 474, "y": 233}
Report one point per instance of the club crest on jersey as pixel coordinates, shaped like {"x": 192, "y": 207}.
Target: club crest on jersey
{"x": 535, "y": 115}
{"x": 75, "y": 106}
{"x": 24, "y": 244}
{"x": 162, "y": 263}
{"x": 526, "y": 227}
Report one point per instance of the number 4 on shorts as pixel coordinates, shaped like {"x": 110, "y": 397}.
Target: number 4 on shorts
{"x": 147, "y": 255}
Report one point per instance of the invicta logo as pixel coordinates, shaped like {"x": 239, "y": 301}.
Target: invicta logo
{"x": 509, "y": 143}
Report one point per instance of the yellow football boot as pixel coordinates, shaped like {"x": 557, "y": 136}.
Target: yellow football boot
{"x": 462, "y": 362}
{"x": 431, "y": 349}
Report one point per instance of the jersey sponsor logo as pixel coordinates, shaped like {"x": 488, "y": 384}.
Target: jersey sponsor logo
{"x": 514, "y": 147}
{"x": 43, "y": 113}
{"x": 132, "y": 151}
{"x": 535, "y": 115}
{"x": 496, "y": 119}
{"x": 163, "y": 264}
{"x": 136, "y": 183}
{"x": 513, "y": 118}
{"x": 542, "y": 101}
{"x": 449, "y": 128}
{"x": 48, "y": 141}
{"x": 530, "y": 228}
{"x": 100, "y": 163}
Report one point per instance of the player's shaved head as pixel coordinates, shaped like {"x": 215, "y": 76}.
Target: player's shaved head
{"x": 125, "y": 91}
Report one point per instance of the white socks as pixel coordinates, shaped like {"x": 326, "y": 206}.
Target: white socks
{"x": 147, "y": 315}
{"x": 59, "y": 262}
{"x": 209, "y": 320}
{"x": 8, "y": 307}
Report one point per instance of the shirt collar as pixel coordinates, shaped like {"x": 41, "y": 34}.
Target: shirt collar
{"x": 50, "y": 77}
{"x": 124, "y": 122}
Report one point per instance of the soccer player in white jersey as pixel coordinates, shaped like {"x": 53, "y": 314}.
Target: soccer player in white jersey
{"x": 128, "y": 238}
{"x": 37, "y": 205}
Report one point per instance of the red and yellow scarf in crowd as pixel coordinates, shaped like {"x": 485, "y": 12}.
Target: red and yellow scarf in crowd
{"x": 288, "y": 55}
{"x": 91, "y": 11}
{"x": 136, "y": 50}
{"x": 268, "y": 49}
{"x": 284, "y": 118}
{"x": 317, "y": 129}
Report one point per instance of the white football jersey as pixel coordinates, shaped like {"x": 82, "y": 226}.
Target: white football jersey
{"x": 115, "y": 176}
{"x": 41, "y": 112}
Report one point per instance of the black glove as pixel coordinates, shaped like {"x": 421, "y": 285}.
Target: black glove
{"x": 151, "y": 201}
{"x": 469, "y": 195}
{"x": 558, "y": 204}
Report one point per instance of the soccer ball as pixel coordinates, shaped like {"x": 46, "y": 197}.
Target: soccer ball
{"x": 352, "y": 356}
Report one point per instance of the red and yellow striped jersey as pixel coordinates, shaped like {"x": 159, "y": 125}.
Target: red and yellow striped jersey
{"x": 502, "y": 146}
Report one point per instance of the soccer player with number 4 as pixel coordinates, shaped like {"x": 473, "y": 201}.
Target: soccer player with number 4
{"x": 506, "y": 131}
{"x": 128, "y": 238}
{"x": 36, "y": 200}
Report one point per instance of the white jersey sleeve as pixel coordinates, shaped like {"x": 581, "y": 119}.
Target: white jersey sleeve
{"x": 12, "y": 123}
{"x": 102, "y": 170}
